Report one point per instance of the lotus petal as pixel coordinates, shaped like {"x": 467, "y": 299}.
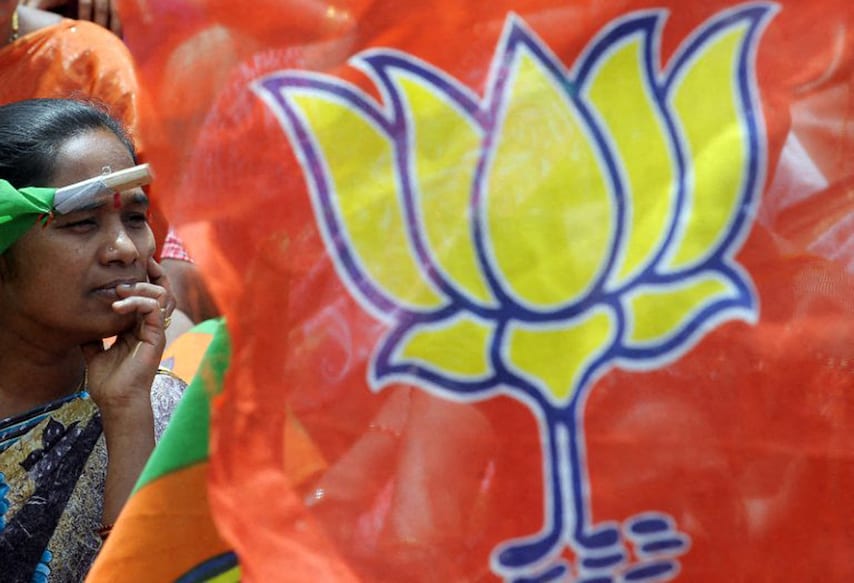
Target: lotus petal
{"x": 368, "y": 209}
{"x": 445, "y": 148}
{"x": 657, "y": 313}
{"x": 456, "y": 348}
{"x": 548, "y": 212}
{"x": 623, "y": 97}
{"x": 708, "y": 102}
{"x": 557, "y": 358}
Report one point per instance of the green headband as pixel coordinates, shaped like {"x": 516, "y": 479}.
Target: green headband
{"x": 20, "y": 209}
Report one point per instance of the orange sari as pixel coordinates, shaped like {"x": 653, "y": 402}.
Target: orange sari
{"x": 71, "y": 59}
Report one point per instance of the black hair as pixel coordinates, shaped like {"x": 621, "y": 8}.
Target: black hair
{"x": 32, "y": 132}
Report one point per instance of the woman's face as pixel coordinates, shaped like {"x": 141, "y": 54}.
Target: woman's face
{"x": 63, "y": 276}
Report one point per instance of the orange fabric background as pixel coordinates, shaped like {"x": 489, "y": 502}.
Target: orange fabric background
{"x": 746, "y": 441}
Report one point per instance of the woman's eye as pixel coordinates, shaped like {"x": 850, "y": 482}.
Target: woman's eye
{"x": 137, "y": 219}
{"x": 81, "y": 225}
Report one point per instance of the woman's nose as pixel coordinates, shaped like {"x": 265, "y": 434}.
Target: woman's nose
{"x": 119, "y": 247}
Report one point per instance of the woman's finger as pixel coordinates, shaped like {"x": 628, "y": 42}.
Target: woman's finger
{"x": 148, "y": 311}
{"x": 151, "y": 327}
{"x": 147, "y": 290}
{"x": 156, "y": 273}
{"x": 157, "y": 276}
{"x": 153, "y": 290}
{"x": 142, "y": 305}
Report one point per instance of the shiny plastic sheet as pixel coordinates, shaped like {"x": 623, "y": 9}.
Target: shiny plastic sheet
{"x": 558, "y": 290}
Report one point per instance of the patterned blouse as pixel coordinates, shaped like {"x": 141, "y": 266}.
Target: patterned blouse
{"x": 53, "y": 464}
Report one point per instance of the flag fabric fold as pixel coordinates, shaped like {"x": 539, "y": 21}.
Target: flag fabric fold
{"x": 523, "y": 290}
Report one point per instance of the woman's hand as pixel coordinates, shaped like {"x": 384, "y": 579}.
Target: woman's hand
{"x": 120, "y": 377}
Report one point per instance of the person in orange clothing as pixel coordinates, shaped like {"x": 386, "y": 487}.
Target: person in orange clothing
{"x": 45, "y": 55}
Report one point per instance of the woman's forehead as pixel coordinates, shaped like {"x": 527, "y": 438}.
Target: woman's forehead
{"x": 87, "y": 155}
{"x": 134, "y": 197}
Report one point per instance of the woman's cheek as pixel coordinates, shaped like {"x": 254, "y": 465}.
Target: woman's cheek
{"x": 148, "y": 245}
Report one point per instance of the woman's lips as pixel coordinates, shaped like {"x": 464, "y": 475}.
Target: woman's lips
{"x": 108, "y": 290}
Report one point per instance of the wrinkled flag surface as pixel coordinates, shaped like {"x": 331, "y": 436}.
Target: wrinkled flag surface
{"x": 523, "y": 291}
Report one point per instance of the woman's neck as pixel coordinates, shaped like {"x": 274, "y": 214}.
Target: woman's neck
{"x": 32, "y": 375}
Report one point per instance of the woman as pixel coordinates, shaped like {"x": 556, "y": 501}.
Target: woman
{"x": 77, "y": 420}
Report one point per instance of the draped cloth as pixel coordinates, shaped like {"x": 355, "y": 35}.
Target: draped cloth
{"x": 71, "y": 59}
{"x": 52, "y": 478}
{"x": 53, "y": 462}
{"x": 560, "y": 290}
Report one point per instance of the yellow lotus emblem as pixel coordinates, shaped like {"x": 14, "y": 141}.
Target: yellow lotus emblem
{"x": 528, "y": 240}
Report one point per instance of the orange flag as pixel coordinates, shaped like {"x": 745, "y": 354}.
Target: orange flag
{"x": 558, "y": 291}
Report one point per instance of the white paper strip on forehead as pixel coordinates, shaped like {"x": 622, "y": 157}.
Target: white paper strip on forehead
{"x": 80, "y": 194}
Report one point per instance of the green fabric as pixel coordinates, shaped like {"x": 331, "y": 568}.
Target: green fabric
{"x": 20, "y": 209}
{"x": 207, "y": 326}
{"x": 185, "y": 440}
